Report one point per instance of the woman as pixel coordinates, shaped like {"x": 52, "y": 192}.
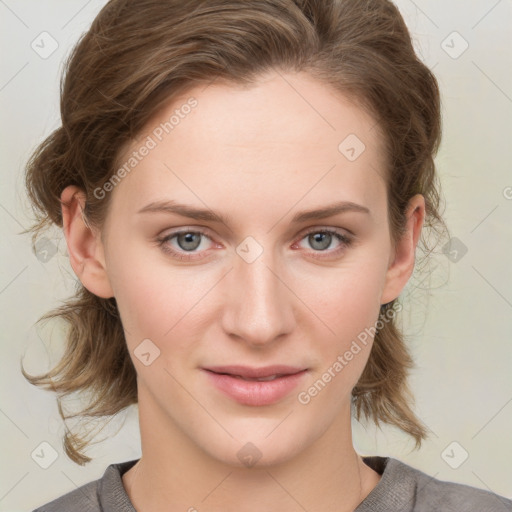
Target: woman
{"x": 242, "y": 188}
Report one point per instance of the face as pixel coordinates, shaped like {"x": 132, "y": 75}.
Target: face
{"x": 262, "y": 282}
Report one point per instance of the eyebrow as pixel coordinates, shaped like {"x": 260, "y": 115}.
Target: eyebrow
{"x": 170, "y": 206}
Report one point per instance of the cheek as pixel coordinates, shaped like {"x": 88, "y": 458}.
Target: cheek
{"x": 155, "y": 300}
{"x": 348, "y": 300}
{"x": 342, "y": 356}
{"x": 348, "y": 305}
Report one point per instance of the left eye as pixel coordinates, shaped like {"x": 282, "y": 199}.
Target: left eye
{"x": 321, "y": 240}
{"x": 187, "y": 242}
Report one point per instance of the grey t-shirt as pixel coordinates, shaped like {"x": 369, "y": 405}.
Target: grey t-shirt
{"x": 400, "y": 489}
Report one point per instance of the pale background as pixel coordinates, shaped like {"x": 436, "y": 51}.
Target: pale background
{"x": 460, "y": 332}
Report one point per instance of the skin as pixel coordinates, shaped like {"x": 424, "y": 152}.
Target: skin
{"x": 258, "y": 156}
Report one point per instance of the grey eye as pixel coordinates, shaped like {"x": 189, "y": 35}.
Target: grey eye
{"x": 320, "y": 241}
{"x": 188, "y": 241}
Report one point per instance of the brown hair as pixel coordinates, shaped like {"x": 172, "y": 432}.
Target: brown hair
{"x": 139, "y": 54}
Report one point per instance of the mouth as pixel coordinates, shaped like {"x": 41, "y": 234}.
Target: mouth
{"x": 255, "y": 386}
{"x": 257, "y": 379}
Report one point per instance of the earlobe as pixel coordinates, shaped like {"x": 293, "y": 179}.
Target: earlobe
{"x": 402, "y": 263}
{"x": 84, "y": 244}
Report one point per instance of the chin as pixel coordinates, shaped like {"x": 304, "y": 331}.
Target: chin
{"x": 256, "y": 455}
{"x": 264, "y": 443}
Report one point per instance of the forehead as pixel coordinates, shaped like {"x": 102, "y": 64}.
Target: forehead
{"x": 285, "y": 139}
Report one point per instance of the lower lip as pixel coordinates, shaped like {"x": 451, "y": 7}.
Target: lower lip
{"x": 256, "y": 393}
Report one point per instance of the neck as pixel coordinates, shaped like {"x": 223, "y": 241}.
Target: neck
{"x": 174, "y": 474}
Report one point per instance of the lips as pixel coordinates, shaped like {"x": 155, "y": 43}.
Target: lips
{"x": 255, "y": 386}
{"x": 249, "y": 373}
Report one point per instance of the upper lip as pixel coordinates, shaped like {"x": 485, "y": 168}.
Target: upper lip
{"x": 255, "y": 373}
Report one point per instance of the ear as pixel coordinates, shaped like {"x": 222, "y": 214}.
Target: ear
{"x": 85, "y": 248}
{"x": 402, "y": 260}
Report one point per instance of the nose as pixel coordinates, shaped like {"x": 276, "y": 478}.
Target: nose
{"x": 260, "y": 304}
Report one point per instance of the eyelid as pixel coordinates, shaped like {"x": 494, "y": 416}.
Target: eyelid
{"x": 180, "y": 231}
{"x": 185, "y": 229}
{"x": 318, "y": 229}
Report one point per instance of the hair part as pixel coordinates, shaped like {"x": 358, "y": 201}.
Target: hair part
{"x": 139, "y": 55}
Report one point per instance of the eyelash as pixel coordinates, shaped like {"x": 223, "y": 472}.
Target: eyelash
{"x": 162, "y": 242}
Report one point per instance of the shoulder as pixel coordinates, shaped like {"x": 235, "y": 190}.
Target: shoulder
{"x": 450, "y": 496}
{"x": 84, "y": 498}
{"x": 415, "y": 491}
{"x": 103, "y": 495}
